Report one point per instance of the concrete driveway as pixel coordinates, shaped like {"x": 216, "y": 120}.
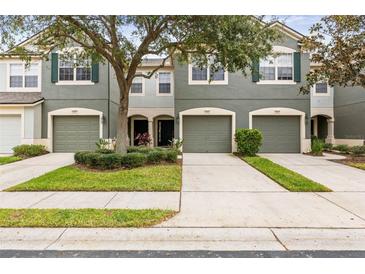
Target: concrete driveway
{"x": 220, "y": 190}
{"x": 22, "y": 171}
{"x": 337, "y": 177}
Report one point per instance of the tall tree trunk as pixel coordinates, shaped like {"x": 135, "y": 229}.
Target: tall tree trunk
{"x": 122, "y": 121}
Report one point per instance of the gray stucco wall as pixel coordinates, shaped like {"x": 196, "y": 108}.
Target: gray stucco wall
{"x": 325, "y": 101}
{"x": 349, "y": 109}
{"x": 241, "y": 95}
{"x": 2, "y": 77}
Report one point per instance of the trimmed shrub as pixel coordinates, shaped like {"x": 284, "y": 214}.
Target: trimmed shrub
{"x": 80, "y": 157}
{"x": 317, "y": 147}
{"x": 92, "y": 159}
{"x": 104, "y": 151}
{"x": 327, "y": 146}
{"x": 358, "y": 150}
{"x": 155, "y": 157}
{"x": 342, "y": 148}
{"x": 171, "y": 155}
{"x": 140, "y": 149}
{"x": 27, "y": 151}
{"x": 248, "y": 141}
{"x": 134, "y": 159}
{"x": 109, "y": 161}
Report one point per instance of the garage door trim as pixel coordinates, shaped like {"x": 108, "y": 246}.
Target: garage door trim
{"x": 72, "y": 112}
{"x": 283, "y": 112}
{"x": 209, "y": 111}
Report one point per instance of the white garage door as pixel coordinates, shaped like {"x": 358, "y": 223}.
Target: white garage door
{"x": 10, "y": 133}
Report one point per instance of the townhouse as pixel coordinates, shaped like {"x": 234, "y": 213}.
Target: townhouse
{"x": 68, "y": 107}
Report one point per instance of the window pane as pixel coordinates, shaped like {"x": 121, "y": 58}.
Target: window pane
{"x": 31, "y": 70}
{"x": 267, "y": 73}
{"x": 31, "y": 81}
{"x": 66, "y": 74}
{"x": 267, "y": 62}
{"x": 16, "y": 81}
{"x": 285, "y": 73}
{"x": 285, "y": 60}
{"x": 164, "y": 88}
{"x": 16, "y": 69}
{"x": 199, "y": 74}
{"x": 164, "y": 82}
{"x": 136, "y": 88}
{"x": 218, "y": 75}
{"x": 83, "y": 74}
{"x": 321, "y": 88}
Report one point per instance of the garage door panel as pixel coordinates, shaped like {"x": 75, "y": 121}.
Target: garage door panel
{"x": 10, "y": 132}
{"x": 281, "y": 134}
{"x": 207, "y": 134}
{"x": 75, "y": 133}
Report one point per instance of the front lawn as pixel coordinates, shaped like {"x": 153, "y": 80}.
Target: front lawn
{"x": 358, "y": 165}
{"x": 9, "y": 159}
{"x": 72, "y": 178}
{"x": 288, "y": 179}
{"x": 83, "y": 217}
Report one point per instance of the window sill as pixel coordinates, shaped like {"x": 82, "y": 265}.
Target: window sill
{"x": 276, "y": 82}
{"x": 207, "y": 83}
{"x": 74, "y": 83}
{"x": 321, "y": 94}
{"x": 136, "y": 94}
{"x": 24, "y": 90}
{"x": 163, "y": 94}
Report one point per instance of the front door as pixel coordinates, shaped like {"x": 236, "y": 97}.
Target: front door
{"x": 140, "y": 127}
{"x": 165, "y": 132}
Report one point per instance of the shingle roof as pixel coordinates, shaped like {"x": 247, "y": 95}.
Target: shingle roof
{"x": 20, "y": 97}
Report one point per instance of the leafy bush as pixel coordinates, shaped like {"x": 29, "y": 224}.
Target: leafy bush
{"x": 92, "y": 159}
{"x": 248, "y": 141}
{"x": 102, "y": 144}
{"x": 317, "y": 147}
{"x": 26, "y": 151}
{"x": 104, "y": 151}
{"x": 358, "y": 150}
{"x": 110, "y": 161}
{"x": 143, "y": 139}
{"x": 171, "y": 155}
{"x": 342, "y": 148}
{"x": 140, "y": 149}
{"x": 155, "y": 157}
{"x": 134, "y": 159}
{"x": 176, "y": 143}
{"x": 327, "y": 146}
{"x": 80, "y": 157}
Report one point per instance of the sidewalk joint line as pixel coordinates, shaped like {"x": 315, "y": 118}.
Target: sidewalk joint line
{"x": 112, "y": 198}
{"x": 43, "y": 199}
{"x": 58, "y": 238}
{"x": 277, "y": 238}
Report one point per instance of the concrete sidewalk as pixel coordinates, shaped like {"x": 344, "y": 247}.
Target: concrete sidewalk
{"x": 129, "y": 200}
{"x": 337, "y": 177}
{"x": 22, "y": 171}
{"x": 181, "y": 239}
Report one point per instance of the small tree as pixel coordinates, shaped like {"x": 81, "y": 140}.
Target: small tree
{"x": 231, "y": 42}
{"x": 248, "y": 141}
{"x": 338, "y": 47}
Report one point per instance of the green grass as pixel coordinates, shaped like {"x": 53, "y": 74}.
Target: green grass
{"x": 357, "y": 165}
{"x": 9, "y": 159}
{"x": 72, "y": 178}
{"x": 288, "y": 179}
{"x": 82, "y": 217}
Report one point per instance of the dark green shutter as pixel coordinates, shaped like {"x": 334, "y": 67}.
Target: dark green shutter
{"x": 95, "y": 72}
{"x": 54, "y": 67}
{"x": 297, "y": 71}
{"x": 256, "y": 70}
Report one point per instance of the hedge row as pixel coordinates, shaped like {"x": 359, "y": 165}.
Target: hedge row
{"x": 99, "y": 160}
{"x": 27, "y": 151}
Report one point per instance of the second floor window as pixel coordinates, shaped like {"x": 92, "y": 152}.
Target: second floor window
{"x": 277, "y": 68}
{"x": 74, "y": 70}
{"x": 23, "y": 76}
{"x": 137, "y": 86}
{"x": 321, "y": 88}
{"x": 164, "y": 82}
{"x": 206, "y": 75}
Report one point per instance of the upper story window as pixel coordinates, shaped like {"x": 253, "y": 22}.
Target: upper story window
{"x": 205, "y": 75}
{"x": 279, "y": 68}
{"x": 74, "y": 70}
{"x": 23, "y": 76}
{"x": 137, "y": 87}
{"x": 164, "y": 83}
{"x": 321, "y": 89}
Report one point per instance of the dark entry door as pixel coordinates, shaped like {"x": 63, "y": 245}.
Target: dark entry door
{"x": 165, "y": 132}
{"x": 140, "y": 127}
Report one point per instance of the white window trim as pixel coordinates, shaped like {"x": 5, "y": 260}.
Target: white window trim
{"x": 171, "y": 84}
{"x": 73, "y": 82}
{"x": 143, "y": 89}
{"x": 328, "y": 93}
{"x": 206, "y": 82}
{"x": 23, "y": 89}
{"x": 280, "y": 49}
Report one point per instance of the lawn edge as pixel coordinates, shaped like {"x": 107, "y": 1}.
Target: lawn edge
{"x": 283, "y": 186}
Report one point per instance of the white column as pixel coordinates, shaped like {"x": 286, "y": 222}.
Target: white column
{"x": 315, "y": 126}
{"x": 330, "y": 131}
{"x": 150, "y": 131}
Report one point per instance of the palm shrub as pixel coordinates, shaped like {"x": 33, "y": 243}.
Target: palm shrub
{"x": 248, "y": 141}
{"x": 317, "y": 147}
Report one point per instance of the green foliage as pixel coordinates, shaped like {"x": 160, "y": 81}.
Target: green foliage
{"x": 248, "y": 141}
{"x": 328, "y": 146}
{"x": 358, "y": 150}
{"x": 27, "y": 151}
{"x": 134, "y": 159}
{"x": 9, "y": 159}
{"x": 176, "y": 143}
{"x": 342, "y": 148}
{"x": 155, "y": 157}
{"x": 104, "y": 151}
{"x": 140, "y": 149}
{"x": 102, "y": 144}
{"x": 80, "y": 157}
{"x": 171, "y": 155}
{"x": 317, "y": 147}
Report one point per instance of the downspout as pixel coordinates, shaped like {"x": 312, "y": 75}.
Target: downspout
{"x": 108, "y": 100}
